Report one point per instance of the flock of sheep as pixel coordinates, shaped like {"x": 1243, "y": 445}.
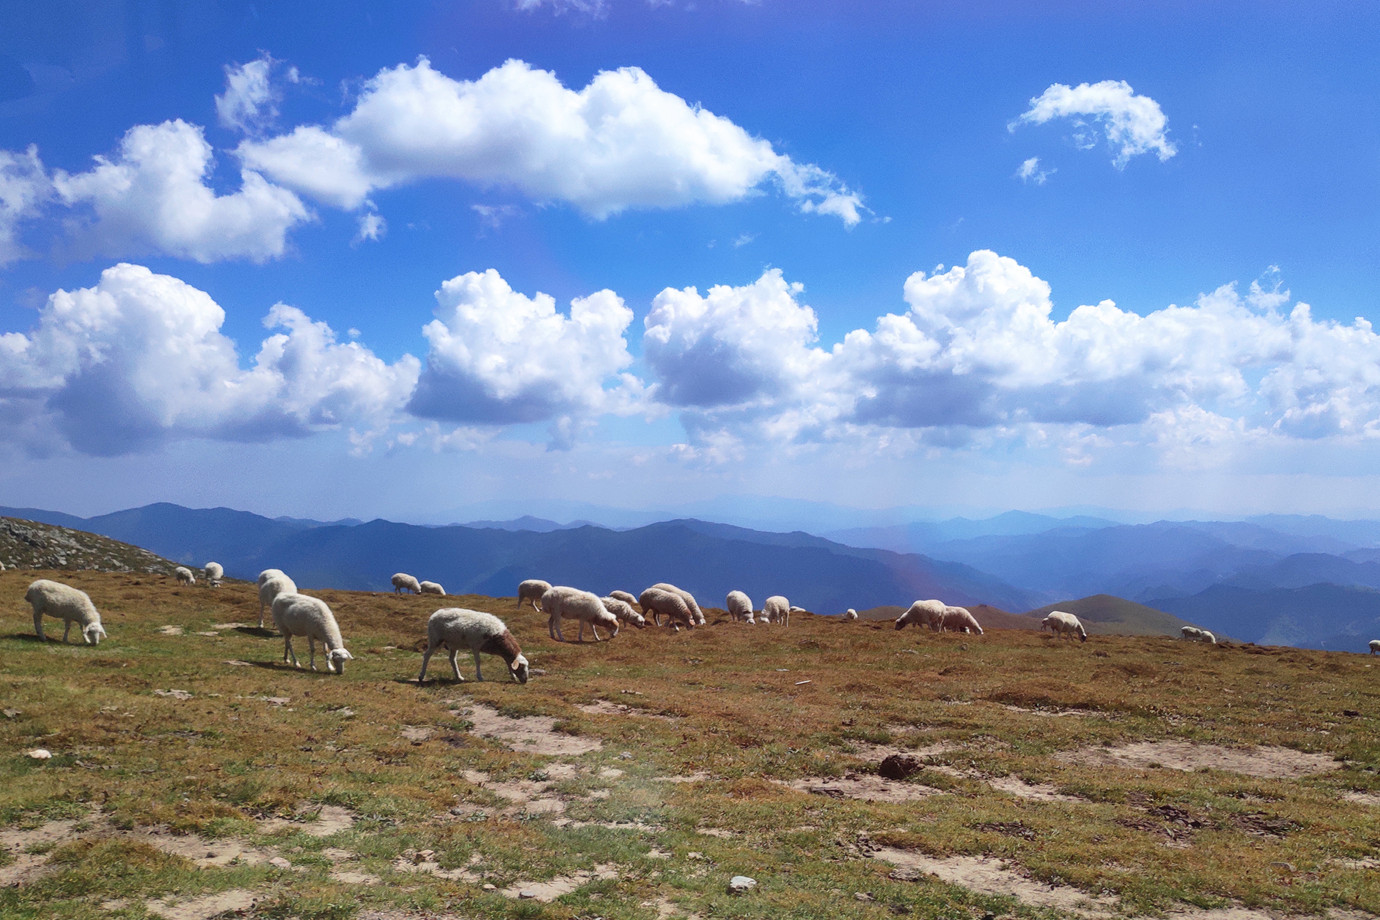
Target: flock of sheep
{"x": 456, "y": 629}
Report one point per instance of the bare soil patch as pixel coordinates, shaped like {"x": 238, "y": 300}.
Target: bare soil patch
{"x": 1363, "y": 798}
{"x": 204, "y": 907}
{"x": 992, "y": 876}
{"x": 865, "y": 787}
{"x": 529, "y": 734}
{"x": 329, "y": 819}
{"x": 1264, "y": 762}
{"x": 28, "y": 866}
{"x": 203, "y": 851}
{"x": 606, "y": 708}
{"x": 551, "y": 889}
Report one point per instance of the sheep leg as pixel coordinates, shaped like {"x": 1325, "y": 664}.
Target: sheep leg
{"x": 455, "y": 668}
{"x": 287, "y": 650}
{"x": 592, "y": 628}
{"x": 311, "y": 644}
{"x": 38, "y": 625}
{"x": 477, "y": 674}
{"x": 426, "y": 656}
{"x": 65, "y": 630}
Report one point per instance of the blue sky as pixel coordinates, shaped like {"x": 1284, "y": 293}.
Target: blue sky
{"x": 512, "y": 256}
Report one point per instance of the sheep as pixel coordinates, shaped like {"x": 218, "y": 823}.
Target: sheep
{"x": 776, "y": 609}
{"x": 739, "y": 606}
{"x": 266, "y": 574}
{"x": 923, "y": 613}
{"x": 431, "y": 587}
{"x": 531, "y": 591}
{"x": 214, "y": 572}
{"x": 659, "y": 602}
{"x": 1374, "y": 645}
{"x": 405, "y": 582}
{"x": 270, "y": 588}
{"x": 623, "y": 610}
{"x": 68, "y": 604}
{"x": 687, "y": 597}
{"x": 1064, "y": 624}
{"x": 1197, "y": 635}
{"x": 184, "y": 575}
{"x": 850, "y": 615}
{"x": 959, "y": 620}
{"x": 457, "y": 628}
{"x": 625, "y": 597}
{"x": 299, "y": 615}
{"x": 573, "y": 604}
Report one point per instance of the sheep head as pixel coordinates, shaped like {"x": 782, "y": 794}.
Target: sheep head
{"x": 335, "y": 660}
{"x": 519, "y": 669}
{"x": 93, "y": 634}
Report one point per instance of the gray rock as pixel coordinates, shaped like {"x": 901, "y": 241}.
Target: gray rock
{"x": 741, "y": 883}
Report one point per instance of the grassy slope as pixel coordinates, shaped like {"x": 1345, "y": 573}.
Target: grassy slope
{"x": 1103, "y": 614}
{"x": 216, "y": 762}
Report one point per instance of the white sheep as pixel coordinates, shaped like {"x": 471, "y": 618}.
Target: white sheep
{"x": 739, "y": 606}
{"x": 68, "y": 604}
{"x": 266, "y": 574}
{"x": 1197, "y": 635}
{"x": 658, "y": 602}
{"x": 184, "y": 575}
{"x": 1374, "y": 646}
{"x": 562, "y": 602}
{"x": 850, "y": 615}
{"x": 776, "y": 609}
{"x": 430, "y": 587}
{"x": 531, "y": 591}
{"x": 405, "y": 582}
{"x": 685, "y": 596}
{"x": 1063, "y": 625}
{"x": 299, "y": 615}
{"x": 923, "y": 613}
{"x": 457, "y": 628}
{"x": 623, "y": 610}
{"x": 959, "y": 619}
{"x": 625, "y": 597}
{"x": 270, "y": 588}
{"x": 214, "y": 573}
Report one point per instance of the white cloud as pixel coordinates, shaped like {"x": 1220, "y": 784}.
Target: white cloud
{"x": 250, "y": 101}
{"x": 1132, "y": 124}
{"x": 24, "y": 187}
{"x": 500, "y": 357}
{"x": 153, "y": 198}
{"x": 372, "y": 227}
{"x": 1030, "y": 171}
{"x": 139, "y": 360}
{"x": 620, "y": 143}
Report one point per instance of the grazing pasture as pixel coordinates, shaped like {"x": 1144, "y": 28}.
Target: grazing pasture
{"x": 850, "y": 769}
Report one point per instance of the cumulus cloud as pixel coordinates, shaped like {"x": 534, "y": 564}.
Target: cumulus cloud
{"x": 620, "y": 143}
{"x": 153, "y": 197}
{"x": 1131, "y": 124}
{"x": 1030, "y": 171}
{"x": 500, "y": 357}
{"x": 24, "y": 187}
{"x": 251, "y": 98}
{"x": 139, "y": 359}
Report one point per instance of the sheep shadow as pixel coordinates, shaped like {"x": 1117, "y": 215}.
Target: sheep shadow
{"x": 262, "y": 632}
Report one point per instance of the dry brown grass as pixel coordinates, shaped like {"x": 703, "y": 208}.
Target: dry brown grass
{"x": 1019, "y": 734}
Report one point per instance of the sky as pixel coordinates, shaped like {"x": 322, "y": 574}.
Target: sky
{"x": 434, "y": 261}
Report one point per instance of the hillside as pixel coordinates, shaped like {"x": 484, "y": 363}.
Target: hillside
{"x": 191, "y": 774}
{"x": 28, "y": 544}
{"x": 1315, "y": 616}
{"x": 1103, "y": 614}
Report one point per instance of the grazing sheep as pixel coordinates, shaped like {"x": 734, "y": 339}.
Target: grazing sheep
{"x": 531, "y": 591}
{"x": 266, "y": 574}
{"x": 431, "y": 587}
{"x": 959, "y": 619}
{"x": 685, "y": 596}
{"x": 625, "y": 597}
{"x": 405, "y": 582}
{"x": 299, "y": 615}
{"x": 562, "y": 602}
{"x": 457, "y": 628}
{"x": 776, "y": 609}
{"x": 1197, "y": 635}
{"x": 923, "y": 613}
{"x": 184, "y": 575}
{"x": 739, "y": 606}
{"x": 850, "y": 615}
{"x": 214, "y": 572}
{"x": 1063, "y": 625}
{"x": 68, "y": 604}
{"x": 270, "y": 588}
{"x": 658, "y": 602}
{"x": 624, "y": 611}
{"x": 1374, "y": 646}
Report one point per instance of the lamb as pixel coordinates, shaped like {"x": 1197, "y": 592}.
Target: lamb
{"x": 739, "y": 606}
{"x": 562, "y": 602}
{"x": 850, "y": 615}
{"x": 270, "y": 588}
{"x": 1374, "y": 646}
{"x": 1197, "y": 635}
{"x": 1064, "y": 624}
{"x": 959, "y": 620}
{"x": 214, "y": 572}
{"x": 776, "y": 609}
{"x": 923, "y": 613}
{"x": 405, "y": 582}
{"x": 431, "y": 587}
{"x": 68, "y": 604}
{"x": 299, "y": 615}
{"x": 687, "y": 597}
{"x": 184, "y": 575}
{"x": 457, "y": 628}
{"x": 623, "y": 610}
{"x": 531, "y": 591}
{"x": 659, "y": 602}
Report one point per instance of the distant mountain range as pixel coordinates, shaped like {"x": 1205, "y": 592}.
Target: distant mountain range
{"x": 1295, "y": 580}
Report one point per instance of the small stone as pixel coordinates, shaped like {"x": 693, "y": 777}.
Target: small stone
{"x": 490, "y": 886}
{"x": 279, "y": 862}
{"x": 626, "y": 755}
{"x": 10, "y": 713}
{"x": 39, "y": 754}
{"x": 526, "y": 895}
{"x": 741, "y": 883}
